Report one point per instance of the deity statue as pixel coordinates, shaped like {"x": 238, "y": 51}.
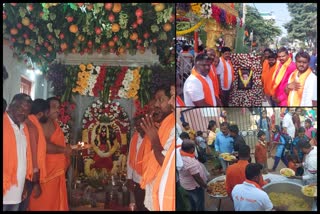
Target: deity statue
{"x": 109, "y": 149}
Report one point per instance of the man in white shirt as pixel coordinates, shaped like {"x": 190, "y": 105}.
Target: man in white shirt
{"x": 287, "y": 123}
{"x": 14, "y": 189}
{"x": 226, "y": 73}
{"x": 302, "y": 83}
{"x": 198, "y": 89}
{"x": 309, "y": 164}
{"x": 249, "y": 196}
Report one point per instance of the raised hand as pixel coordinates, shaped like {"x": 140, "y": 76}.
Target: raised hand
{"x": 149, "y": 128}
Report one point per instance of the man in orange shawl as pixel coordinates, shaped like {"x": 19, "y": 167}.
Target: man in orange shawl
{"x": 39, "y": 114}
{"x": 302, "y": 84}
{"x": 160, "y": 140}
{"x": 280, "y": 78}
{"x": 135, "y": 164}
{"x": 17, "y": 161}
{"x": 198, "y": 89}
{"x": 54, "y": 190}
{"x": 164, "y": 190}
{"x": 226, "y": 73}
{"x": 213, "y": 68}
{"x": 268, "y": 68}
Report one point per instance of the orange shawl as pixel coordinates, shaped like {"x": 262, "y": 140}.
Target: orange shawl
{"x": 152, "y": 166}
{"x": 179, "y": 101}
{"x": 136, "y": 164}
{"x": 193, "y": 155}
{"x": 279, "y": 74}
{"x": 169, "y": 196}
{"x": 41, "y": 147}
{"x": 215, "y": 81}
{"x": 206, "y": 89}
{"x": 225, "y": 72}
{"x": 267, "y": 78}
{"x": 10, "y": 159}
{"x": 56, "y": 163}
{"x": 294, "y": 97}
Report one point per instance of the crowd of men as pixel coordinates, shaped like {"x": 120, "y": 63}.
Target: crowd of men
{"x": 36, "y": 157}
{"x": 244, "y": 175}
{"x": 287, "y": 79}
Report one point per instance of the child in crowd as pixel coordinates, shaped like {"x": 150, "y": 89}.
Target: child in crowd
{"x": 292, "y": 161}
{"x": 191, "y": 132}
{"x": 261, "y": 150}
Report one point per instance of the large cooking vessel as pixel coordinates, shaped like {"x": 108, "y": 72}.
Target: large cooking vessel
{"x": 289, "y": 187}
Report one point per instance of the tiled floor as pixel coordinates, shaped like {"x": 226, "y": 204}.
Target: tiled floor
{"x": 211, "y": 204}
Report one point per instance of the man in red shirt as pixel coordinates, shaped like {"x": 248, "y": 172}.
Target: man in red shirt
{"x": 235, "y": 173}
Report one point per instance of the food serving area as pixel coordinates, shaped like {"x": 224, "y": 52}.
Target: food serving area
{"x": 280, "y": 186}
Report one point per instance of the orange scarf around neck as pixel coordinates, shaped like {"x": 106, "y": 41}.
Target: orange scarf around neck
{"x": 206, "y": 89}
{"x": 186, "y": 154}
{"x": 179, "y": 101}
{"x": 279, "y": 74}
{"x": 254, "y": 183}
{"x": 215, "y": 80}
{"x": 295, "y": 97}
{"x": 10, "y": 159}
{"x": 152, "y": 166}
{"x": 169, "y": 199}
{"x": 41, "y": 147}
{"x": 267, "y": 79}
{"x": 135, "y": 160}
{"x": 225, "y": 72}
{"x": 265, "y": 69}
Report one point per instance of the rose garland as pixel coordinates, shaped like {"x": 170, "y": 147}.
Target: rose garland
{"x": 245, "y": 82}
{"x": 118, "y": 83}
{"x": 195, "y": 27}
{"x": 99, "y": 86}
{"x": 64, "y": 119}
{"x": 253, "y": 96}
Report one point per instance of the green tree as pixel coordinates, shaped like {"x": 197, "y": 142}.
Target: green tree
{"x": 264, "y": 31}
{"x": 303, "y": 25}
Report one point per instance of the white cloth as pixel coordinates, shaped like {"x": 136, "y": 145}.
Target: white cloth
{"x": 179, "y": 162}
{"x": 309, "y": 91}
{"x": 148, "y": 201}
{"x": 288, "y": 123}
{"x": 220, "y": 71}
{"x": 310, "y": 167}
{"x": 193, "y": 90}
{"x": 131, "y": 173}
{"x": 178, "y": 130}
{"x": 247, "y": 197}
{"x": 13, "y": 195}
{"x": 164, "y": 180}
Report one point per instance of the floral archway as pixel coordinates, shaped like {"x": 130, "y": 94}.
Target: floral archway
{"x": 38, "y": 32}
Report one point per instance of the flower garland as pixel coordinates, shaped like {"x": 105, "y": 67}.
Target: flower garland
{"x": 82, "y": 82}
{"x": 195, "y": 27}
{"x": 114, "y": 89}
{"x": 196, "y": 8}
{"x": 113, "y": 111}
{"x": 131, "y": 84}
{"x": 247, "y": 81}
{"x": 206, "y": 10}
{"x": 253, "y": 96}
{"x": 99, "y": 86}
{"x": 65, "y": 118}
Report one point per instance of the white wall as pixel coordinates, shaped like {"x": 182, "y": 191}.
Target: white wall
{"x": 16, "y": 69}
